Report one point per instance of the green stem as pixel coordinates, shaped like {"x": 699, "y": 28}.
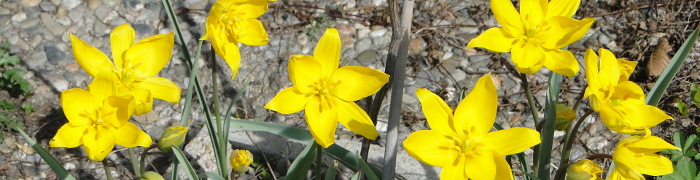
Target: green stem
{"x": 134, "y": 162}
{"x": 542, "y": 168}
{"x": 108, "y": 171}
{"x": 223, "y": 143}
{"x": 143, "y": 157}
{"x": 566, "y": 149}
{"x": 533, "y": 110}
{"x": 319, "y": 160}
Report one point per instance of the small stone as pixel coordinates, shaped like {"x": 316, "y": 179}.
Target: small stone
{"x": 30, "y": 3}
{"x": 367, "y": 57}
{"x": 56, "y": 2}
{"x": 458, "y": 74}
{"x": 363, "y": 45}
{"x": 92, "y": 4}
{"x": 69, "y": 166}
{"x": 72, "y": 67}
{"x": 142, "y": 29}
{"x": 60, "y": 84}
{"x": 54, "y": 54}
{"x": 52, "y": 25}
{"x": 70, "y": 4}
{"x": 19, "y": 17}
{"x": 63, "y": 21}
{"x": 47, "y": 6}
{"x": 377, "y": 31}
{"x": 416, "y": 46}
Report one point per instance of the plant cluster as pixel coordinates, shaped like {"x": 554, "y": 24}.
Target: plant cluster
{"x": 461, "y": 141}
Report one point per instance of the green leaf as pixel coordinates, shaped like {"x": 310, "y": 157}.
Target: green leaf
{"x": 694, "y": 95}
{"x": 9, "y": 60}
{"x": 678, "y": 139}
{"x": 301, "y": 164}
{"x": 682, "y": 107}
{"x": 296, "y": 134}
{"x": 686, "y": 168}
{"x": 53, "y": 163}
{"x": 545, "y": 148}
{"x": 347, "y": 158}
{"x": 7, "y": 105}
{"x": 666, "y": 77}
{"x": 692, "y": 140}
{"x": 331, "y": 172}
{"x": 357, "y": 176}
{"x": 183, "y": 160}
{"x": 367, "y": 170}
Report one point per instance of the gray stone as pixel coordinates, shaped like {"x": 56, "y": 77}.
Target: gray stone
{"x": 54, "y": 54}
{"x": 70, "y": 4}
{"x": 47, "y": 6}
{"x": 19, "y": 17}
{"x": 52, "y": 25}
{"x": 367, "y": 57}
{"x": 92, "y": 4}
{"x": 142, "y": 29}
{"x": 362, "y": 45}
{"x": 30, "y": 3}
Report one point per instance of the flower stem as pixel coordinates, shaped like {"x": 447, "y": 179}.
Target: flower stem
{"x": 143, "y": 157}
{"x": 566, "y": 149}
{"x": 134, "y": 162}
{"x": 319, "y": 160}
{"x": 530, "y": 100}
{"x": 108, "y": 171}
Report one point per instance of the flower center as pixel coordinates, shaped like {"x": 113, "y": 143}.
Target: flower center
{"x": 128, "y": 72}
{"x": 321, "y": 89}
{"x": 469, "y": 146}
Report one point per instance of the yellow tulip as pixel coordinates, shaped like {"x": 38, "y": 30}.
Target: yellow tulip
{"x": 240, "y": 160}
{"x": 233, "y": 21}
{"x": 635, "y": 155}
{"x": 326, "y": 93}
{"x": 584, "y": 169}
{"x": 621, "y": 104}
{"x": 461, "y": 143}
{"x": 134, "y": 65}
{"x": 97, "y": 120}
{"x": 536, "y": 34}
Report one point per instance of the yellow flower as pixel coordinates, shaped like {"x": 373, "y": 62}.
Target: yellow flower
{"x": 462, "y": 144}
{"x": 635, "y": 155}
{"x": 621, "y": 104}
{"x": 584, "y": 169}
{"x": 172, "y": 136}
{"x": 536, "y": 34}
{"x": 233, "y": 21}
{"x": 97, "y": 120}
{"x": 240, "y": 160}
{"x": 134, "y": 65}
{"x": 326, "y": 93}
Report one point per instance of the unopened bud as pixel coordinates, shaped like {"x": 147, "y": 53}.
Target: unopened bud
{"x": 240, "y": 160}
{"x": 173, "y": 136}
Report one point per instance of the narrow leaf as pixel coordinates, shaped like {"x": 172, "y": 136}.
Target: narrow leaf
{"x": 367, "y": 170}
{"x": 183, "y": 160}
{"x": 331, "y": 172}
{"x": 296, "y": 134}
{"x": 664, "y": 80}
{"x": 53, "y": 163}
{"x": 301, "y": 164}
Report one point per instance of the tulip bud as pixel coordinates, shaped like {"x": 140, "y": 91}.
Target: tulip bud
{"x": 240, "y": 160}
{"x": 173, "y": 136}
{"x": 584, "y": 169}
{"x": 150, "y": 175}
{"x": 564, "y": 117}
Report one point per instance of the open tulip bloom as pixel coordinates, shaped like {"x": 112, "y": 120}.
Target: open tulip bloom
{"x": 134, "y": 65}
{"x": 621, "y": 104}
{"x": 97, "y": 119}
{"x": 635, "y": 155}
{"x": 233, "y": 21}
{"x": 326, "y": 93}
{"x": 536, "y": 34}
{"x": 461, "y": 143}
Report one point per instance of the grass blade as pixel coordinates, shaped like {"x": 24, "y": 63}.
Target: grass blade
{"x": 183, "y": 160}
{"x": 293, "y": 133}
{"x": 331, "y": 172}
{"x": 53, "y": 163}
{"x": 369, "y": 173}
{"x": 301, "y": 164}
{"x": 348, "y": 159}
{"x": 666, "y": 77}
{"x": 543, "y": 168}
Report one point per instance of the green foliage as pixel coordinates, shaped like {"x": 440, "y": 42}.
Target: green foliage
{"x": 694, "y": 95}
{"x": 682, "y": 107}
{"x": 11, "y": 77}
{"x": 7, "y": 119}
{"x": 685, "y": 167}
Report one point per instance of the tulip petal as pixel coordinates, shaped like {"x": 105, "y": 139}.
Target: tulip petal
{"x": 251, "y": 32}
{"x": 609, "y": 68}
{"x": 161, "y": 88}
{"x": 250, "y": 9}
{"x": 122, "y": 108}
{"x": 121, "y": 38}
{"x": 650, "y": 145}
{"x": 104, "y": 84}
{"x": 615, "y": 121}
{"x": 508, "y": 17}
{"x": 98, "y": 145}
{"x": 623, "y": 172}
{"x": 88, "y": 57}
{"x": 561, "y": 62}
{"x": 626, "y": 68}
{"x": 148, "y": 56}
{"x": 355, "y": 119}
{"x": 322, "y": 123}
{"x": 494, "y": 39}
{"x": 532, "y": 12}
{"x": 591, "y": 60}
{"x": 143, "y": 101}
{"x": 629, "y": 92}
{"x": 561, "y": 31}
{"x": 655, "y": 165}
{"x": 527, "y": 57}
{"x": 439, "y": 115}
{"x": 232, "y": 57}
{"x": 503, "y": 170}
{"x": 566, "y": 8}
{"x": 477, "y": 112}
{"x": 76, "y": 103}
{"x": 327, "y": 51}
{"x": 455, "y": 170}
{"x": 356, "y": 82}
{"x": 511, "y": 141}
{"x": 68, "y": 136}
{"x": 642, "y": 116}
{"x": 288, "y": 101}
{"x": 433, "y": 148}
{"x": 304, "y": 71}
{"x": 130, "y": 135}
{"x": 481, "y": 166}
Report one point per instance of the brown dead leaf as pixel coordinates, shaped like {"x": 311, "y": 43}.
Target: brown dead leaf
{"x": 659, "y": 58}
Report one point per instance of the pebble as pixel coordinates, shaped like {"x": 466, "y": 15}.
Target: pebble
{"x": 54, "y": 54}
{"x": 92, "y": 4}
{"x": 367, "y": 57}
{"x": 70, "y": 4}
{"x": 30, "y": 3}
{"x": 362, "y": 45}
{"x": 60, "y": 84}
{"x": 19, "y": 17}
